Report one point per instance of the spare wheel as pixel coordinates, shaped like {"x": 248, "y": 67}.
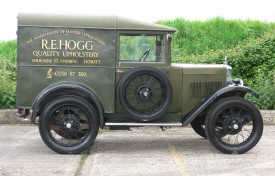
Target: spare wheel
{"x": 145, "y": 93}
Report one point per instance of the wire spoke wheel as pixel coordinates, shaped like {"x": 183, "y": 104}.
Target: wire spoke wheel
{"x": 234, "y": 125}
{"x": 68, "y": 124}
{"x": 145, "y": 93}
{"x": 198, "y": 125}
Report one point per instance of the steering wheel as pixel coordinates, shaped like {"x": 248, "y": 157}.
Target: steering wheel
{"x": 144, "y": 56}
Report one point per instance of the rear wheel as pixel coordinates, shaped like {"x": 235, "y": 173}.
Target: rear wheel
{"x": 234, "y": 125}
{"x": 198, "y": 126}
{"x": 69, "y": 124}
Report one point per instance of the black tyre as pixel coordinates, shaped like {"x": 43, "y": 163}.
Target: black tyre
{"x": 234, "y": 125}
{"x": 68, "y": 124}
{"x": 198, "y": 126}
{"x": 145, "y": 93}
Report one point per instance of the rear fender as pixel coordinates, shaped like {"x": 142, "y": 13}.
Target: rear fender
{"x": 66, "y": 88}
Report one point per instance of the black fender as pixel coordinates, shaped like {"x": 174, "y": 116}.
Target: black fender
{"x": 66, "y": 88}
{"x": 228, "y": 91}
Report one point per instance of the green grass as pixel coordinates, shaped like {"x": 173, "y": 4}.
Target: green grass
{"x": 198, "y": 37}
{"x": 7, "y": 74}
{"x": 84, "y": 156}
{"x": 8, "y": 51}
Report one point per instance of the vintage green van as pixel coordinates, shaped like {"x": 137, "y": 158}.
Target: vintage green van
{"x": 77, "y": 74}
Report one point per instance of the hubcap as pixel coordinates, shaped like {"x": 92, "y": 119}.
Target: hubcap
{"x": 68, "y": 125}
{"x": 235, "y": 126}
{"x": 144, "y": 92}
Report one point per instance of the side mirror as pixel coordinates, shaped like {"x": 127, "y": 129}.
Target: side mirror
{"x": 169, "y": 37}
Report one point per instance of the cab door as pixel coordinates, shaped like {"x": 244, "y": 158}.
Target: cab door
{"x": 143, "y": 88}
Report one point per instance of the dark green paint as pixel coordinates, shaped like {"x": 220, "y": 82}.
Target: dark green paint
{"x": 56, "y": 35}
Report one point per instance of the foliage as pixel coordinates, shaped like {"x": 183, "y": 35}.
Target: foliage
{"x": 7, "y": 74}
{"x": 198, "y": 37}
{"x": 253, "y": 60}
{"x": 133, "y": 47}
{"x": 8, "y": 51}
{"x": 265, "y": 82}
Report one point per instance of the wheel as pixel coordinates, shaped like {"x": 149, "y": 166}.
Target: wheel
{"x": 198, "y": 126}
{"x": 80, "y": 134}
{"x": 234, "y": 125}
{"x": 145, "y": 93}
{"x": 68, "y": 124}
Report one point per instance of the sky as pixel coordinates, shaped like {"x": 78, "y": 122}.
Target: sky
{"x": 143, "y": 10}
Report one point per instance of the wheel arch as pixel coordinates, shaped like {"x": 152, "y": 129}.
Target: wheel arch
{"x": 66, "y": 88}
{"x": 229, "y": 91}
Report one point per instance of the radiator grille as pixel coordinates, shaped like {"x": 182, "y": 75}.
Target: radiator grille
{"x": 202, "y": 89}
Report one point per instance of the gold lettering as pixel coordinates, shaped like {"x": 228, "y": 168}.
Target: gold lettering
{"x": 72, "y": 74}
{"x": 68, "y": 61}
{"x": 82, "y": 74}
{"x": 94, "y": 38}
{"x": 93, "y": 54}
{"x": 81, "y": 46}
{"x": 95, "y": 62}
{"x": 49, "y": 73}
{"x": 29, "y": 41}
{"x": 80, "y": 54}
{"x": 53, "y": 44}
{"x": 63, "y": 44}
{"x": 60, "y": 73}
{"x": 71, "y": 45}
{"x": 66, "y": 45}
{"x": 44, "y": 44}
{"x": 42, "y": 61}
{"x": 45, "y": 53}
{"x": 88, "y": 47}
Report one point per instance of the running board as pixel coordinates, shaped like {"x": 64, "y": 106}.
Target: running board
{"x": 144, "y": 124}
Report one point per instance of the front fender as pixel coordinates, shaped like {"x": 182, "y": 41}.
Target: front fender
{"x": 224, "y": 92}
{"x": 66, "y": 88}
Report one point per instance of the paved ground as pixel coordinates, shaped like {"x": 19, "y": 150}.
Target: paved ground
{"x": 142, "y": 151}
{"x": 22, "y": 152}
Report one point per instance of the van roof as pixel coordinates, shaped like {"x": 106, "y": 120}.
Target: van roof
{"x": 86, "y": 21}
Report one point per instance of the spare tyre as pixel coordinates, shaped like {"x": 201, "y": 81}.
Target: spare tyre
{"x": 145, "y": 93}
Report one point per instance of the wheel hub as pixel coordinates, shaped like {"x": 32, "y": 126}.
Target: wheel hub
{"x": 144, "y": 92}
{"x": 70, "y": 123}
{"x": 233, "y": 125}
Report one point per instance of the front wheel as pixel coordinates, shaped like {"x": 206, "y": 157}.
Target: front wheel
{"x": 234, "y": 125}
{"x": 68, "y": 124}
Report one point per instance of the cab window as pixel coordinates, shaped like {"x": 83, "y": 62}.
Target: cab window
{"x": 141, "y": 48}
